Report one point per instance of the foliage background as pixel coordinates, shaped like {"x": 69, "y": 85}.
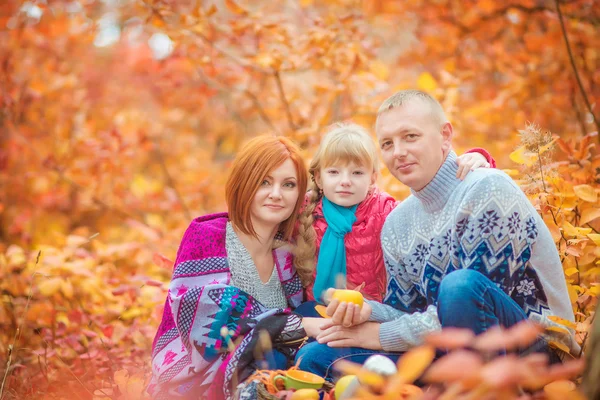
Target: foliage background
{"x": 119, "y": 119}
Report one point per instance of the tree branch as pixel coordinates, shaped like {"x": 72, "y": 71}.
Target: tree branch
{"x": 574, "y": 66}
{"x": 170, "y": 182}
{"x": 288, "y": 111}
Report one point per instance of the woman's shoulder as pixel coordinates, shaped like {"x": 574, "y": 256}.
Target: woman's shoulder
{"x": 204, "y": 238}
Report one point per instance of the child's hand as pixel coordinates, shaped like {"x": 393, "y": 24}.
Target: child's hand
{"x": 470, "y": 162}
{"x": 345, "y": 314}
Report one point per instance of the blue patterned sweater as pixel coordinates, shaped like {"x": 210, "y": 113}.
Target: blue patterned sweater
{"x": 485, "y": 223}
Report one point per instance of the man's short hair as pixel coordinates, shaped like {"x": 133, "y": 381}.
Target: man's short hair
{"x": 404, "y": 97}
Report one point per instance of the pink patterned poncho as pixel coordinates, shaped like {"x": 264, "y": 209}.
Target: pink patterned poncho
{"x": 189, "y": 353}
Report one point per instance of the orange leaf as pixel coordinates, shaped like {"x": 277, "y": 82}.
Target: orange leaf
{"x": 588, "y": 215}
{"x": 412, "y": 364}
{"x": 234, "y": 7}
{"x": 162, "y": 261}
{"x": 322, "y": 310}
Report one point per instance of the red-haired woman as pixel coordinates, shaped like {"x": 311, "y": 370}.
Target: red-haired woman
{"x": 233, "y": 277}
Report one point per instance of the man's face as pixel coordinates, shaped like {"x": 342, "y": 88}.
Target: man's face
{"x": 413, "y": 143}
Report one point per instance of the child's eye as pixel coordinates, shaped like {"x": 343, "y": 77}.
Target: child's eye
{"x": 359, "y": 173}
{"x": 332, "y": 172}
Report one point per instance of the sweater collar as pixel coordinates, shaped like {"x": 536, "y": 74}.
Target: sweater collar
{"x": 437, "y": 192}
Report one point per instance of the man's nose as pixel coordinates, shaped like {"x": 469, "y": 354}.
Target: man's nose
{"x": 399, "y": 151}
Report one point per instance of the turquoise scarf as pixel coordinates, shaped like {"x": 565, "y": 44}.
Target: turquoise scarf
{"x": 332, "y": 254}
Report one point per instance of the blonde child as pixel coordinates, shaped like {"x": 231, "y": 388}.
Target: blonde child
{"x": 339, "y": 231}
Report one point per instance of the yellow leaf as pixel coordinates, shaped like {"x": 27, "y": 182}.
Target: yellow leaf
{"x": 562, "y": 321}
{"x": 586, "y": 193}
{"x": 50, "y": 286}
{"x": 573, "y": 295}
{"x": 558, "y": 345}
{"x": 521, "y": 156}
{"x": 547, "y": 147}
{"x": 132, "y": 313}
{"x": 588, "y": 215}
{"x": 558, "y": 329}
{"x": 571, "y": 271}
{"x": 426, "y": 82}
{"x": 569, "y": 229}
{"x": 595, "y": 238}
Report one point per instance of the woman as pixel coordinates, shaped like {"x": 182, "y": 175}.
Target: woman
{"x": 233, "y": 278}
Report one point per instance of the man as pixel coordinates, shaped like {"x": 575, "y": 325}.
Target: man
{"x": 470, "y": 254}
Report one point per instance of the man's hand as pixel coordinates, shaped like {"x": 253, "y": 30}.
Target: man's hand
{"x": 364, "y": 335}
{"x": 470, "y": 162}
{"x": 312, "y": 326}
{"x": 346, "y": 314}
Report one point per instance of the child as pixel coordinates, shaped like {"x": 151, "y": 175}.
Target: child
{"x": 341, "y": 224}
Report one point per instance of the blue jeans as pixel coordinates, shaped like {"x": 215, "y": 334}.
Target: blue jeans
{"x": 467, "y": 299}
{"x": 320, "y": 358}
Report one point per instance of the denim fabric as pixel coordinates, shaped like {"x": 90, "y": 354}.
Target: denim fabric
{"x": 320, "y": 358}
{"x": 469, "y": 299}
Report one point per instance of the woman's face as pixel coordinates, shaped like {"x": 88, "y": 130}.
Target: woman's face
{"x": 277, "y": 196}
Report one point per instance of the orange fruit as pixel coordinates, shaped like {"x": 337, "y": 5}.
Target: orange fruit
{"x": 349, "y": 296}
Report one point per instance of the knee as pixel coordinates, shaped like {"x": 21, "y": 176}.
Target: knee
{"x": 310, "y": 358}
{"x": 460, "y": 284}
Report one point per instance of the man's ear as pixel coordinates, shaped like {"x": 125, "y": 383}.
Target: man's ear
{"x": 447, "y": 134}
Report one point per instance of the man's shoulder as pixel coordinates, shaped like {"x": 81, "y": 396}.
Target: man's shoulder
{"x": 403, "y": 207}
{"x": 488, "y": 180}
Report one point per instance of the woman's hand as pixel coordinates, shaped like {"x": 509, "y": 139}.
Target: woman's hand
{"x": 346, "y": 314}
{"x": 470, "y": 162}
{"x": 365, "y": 335}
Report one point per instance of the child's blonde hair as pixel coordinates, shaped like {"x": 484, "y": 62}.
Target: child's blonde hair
{"x": 343, "y": 144}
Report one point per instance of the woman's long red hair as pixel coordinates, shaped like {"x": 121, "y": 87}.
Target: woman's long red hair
{"x": 252, "y": 164}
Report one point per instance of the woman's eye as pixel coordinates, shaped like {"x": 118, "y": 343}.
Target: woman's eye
{"x": 290, "y": 185}
{"x": 265, "y": 183}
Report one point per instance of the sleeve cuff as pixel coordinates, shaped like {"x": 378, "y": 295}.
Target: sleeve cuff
{"x": 484, "y": 153}
{"x": 390, "y": 338}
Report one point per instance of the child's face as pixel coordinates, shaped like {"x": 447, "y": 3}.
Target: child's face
{"x": 345, "y": 185}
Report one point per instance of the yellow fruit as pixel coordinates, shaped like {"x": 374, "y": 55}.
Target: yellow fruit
{"x": 342, "y": 385}
{"x": 305, "y": 394}
{"x": 349, "y": 296}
